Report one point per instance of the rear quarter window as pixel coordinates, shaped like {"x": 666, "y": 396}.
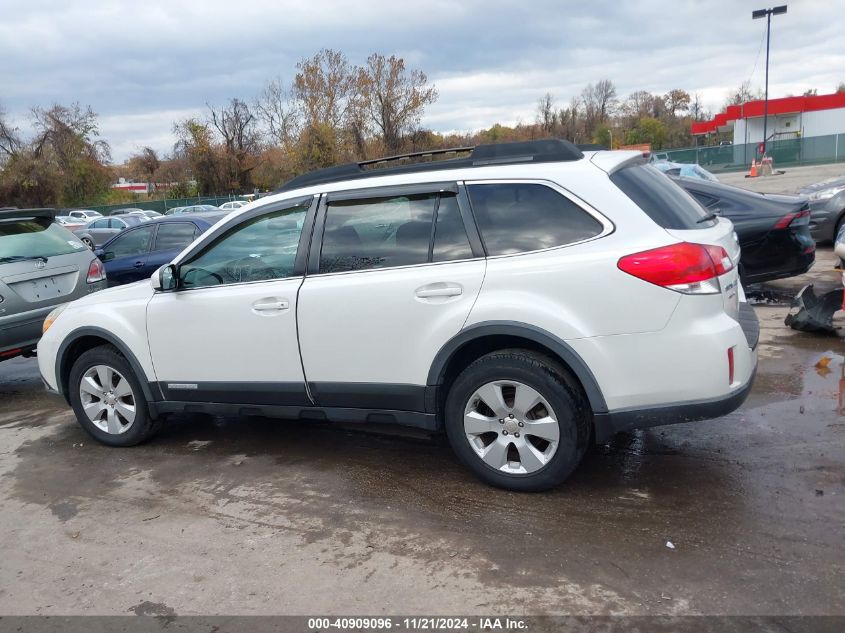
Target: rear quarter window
{"x": 522, "y": 217}
{"x": 662, "y": 200}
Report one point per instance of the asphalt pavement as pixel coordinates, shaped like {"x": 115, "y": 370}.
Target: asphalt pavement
{"x": 740, "y": 515}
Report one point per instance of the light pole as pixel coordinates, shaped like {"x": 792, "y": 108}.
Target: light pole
{"x": 767, "y": 13}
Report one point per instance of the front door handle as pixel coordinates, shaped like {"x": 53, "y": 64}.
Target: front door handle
{"x": 270, "y": 305}
{"x": 439, "y": 290}
{"x": 139, "y": 264}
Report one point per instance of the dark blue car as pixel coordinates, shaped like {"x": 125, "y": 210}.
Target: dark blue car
{"x": 138, "y": 252}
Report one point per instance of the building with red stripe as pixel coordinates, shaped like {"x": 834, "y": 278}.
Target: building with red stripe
{"x": 789, "y": 117}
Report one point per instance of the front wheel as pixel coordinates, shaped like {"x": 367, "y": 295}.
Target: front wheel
{"x": 108, "y": 400}
{"x": 517, "y": 420}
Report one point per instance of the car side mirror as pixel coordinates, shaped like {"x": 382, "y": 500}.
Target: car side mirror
{"x": 107, "y": 256}
{"x": 166, "y": 278}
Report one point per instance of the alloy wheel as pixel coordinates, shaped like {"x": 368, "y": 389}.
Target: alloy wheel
{"x": 511, "y": 427}
{"x": 107, "y": 399}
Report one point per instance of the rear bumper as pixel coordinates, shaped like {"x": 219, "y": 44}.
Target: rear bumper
{"x": 609, "y": 424}
{"x": 616, "y": 421}
{"x": 823, "y": 217}
{"x": 22, "y": 331}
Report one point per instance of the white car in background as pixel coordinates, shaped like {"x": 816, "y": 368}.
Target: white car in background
{"x": 525, "y": 299}
{"x": 234, "y": 204}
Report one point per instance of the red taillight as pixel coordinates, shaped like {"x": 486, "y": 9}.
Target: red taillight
{"x": 96, "y": 271}
{"x": 11, "y": 352}
{"x": 796, "y": 219}
{"x": 685, "y": 267}
{"x": 730, "y": 365}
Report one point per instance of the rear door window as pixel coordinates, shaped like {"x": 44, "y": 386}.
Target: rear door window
{"x": 367, "y": 233}
{"x": 522, "y": 217}
{"x": 174, "y": 235}
{"x": 665, "y": 202}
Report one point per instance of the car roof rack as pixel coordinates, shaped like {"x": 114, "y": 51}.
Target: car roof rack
{"x": 542, "y": 151}
{"x": 591, "y": 147}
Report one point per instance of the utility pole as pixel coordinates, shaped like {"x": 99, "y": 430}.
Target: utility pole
{"x": 767, "y": 13}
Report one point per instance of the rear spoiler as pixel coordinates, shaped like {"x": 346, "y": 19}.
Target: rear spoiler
{"x": 610, "y": 162}
{"x": 8, "y": 213}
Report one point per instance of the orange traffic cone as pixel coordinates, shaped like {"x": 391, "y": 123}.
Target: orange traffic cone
{"x": 753, "y": 172}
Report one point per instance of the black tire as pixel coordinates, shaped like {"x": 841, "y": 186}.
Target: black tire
{"x": 142, "y": 428}
{"x": 554, "y": 383}
{"x": 88, "y": 242}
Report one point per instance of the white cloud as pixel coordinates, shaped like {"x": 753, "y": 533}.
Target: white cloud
{"x": 141, "y": 65}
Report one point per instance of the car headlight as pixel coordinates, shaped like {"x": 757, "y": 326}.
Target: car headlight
{"x": 826, "y": 194}
{"x": 51, "y": 318}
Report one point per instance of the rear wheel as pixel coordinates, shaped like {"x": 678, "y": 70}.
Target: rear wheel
{"x": 88, "y": 242}
{"x": 108, "y": 400}
{"x": 517, "y": 420}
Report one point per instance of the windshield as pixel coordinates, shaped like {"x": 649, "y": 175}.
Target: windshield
{"x": 38, "y": 237}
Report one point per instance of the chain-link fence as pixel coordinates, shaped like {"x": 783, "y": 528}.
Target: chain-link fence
{"x": 812, "y": 150}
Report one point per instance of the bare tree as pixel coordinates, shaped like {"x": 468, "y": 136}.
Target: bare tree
{"x": 696, "y": 108}
{"x": 743, "y": 94}
{"x": 237, "y": 126}
{"x": 546, "y": 115}
{"x": 570, "y": 121}
{"x": 275, "y": 109}
{"x": 10, "y": 142}
{"x": 69, "y": 131}
{"x": 149, "y": 163}
{"x": 392, "y": 97}
{"x": 599, "y": 101}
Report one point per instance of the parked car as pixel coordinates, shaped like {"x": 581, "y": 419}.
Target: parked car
{"x": 86, "y": 215}
{"x": 173, "y": 210}
{"x": 233, "y": 204}
{"x": 103, "y": 229}
{"x": 684, "y": 169}
{"x": 70, "y": 223}
{"x": 126, "y": 211}
{"x": 773, "y": 230}
{"x": 481, "y": 295}
{"x": 197, "y": 208}
{"x": 827, "y": 208}
{"x": 139, "y": 251}
{"x": 41, "y": 266}
{"x": 148, "y": 214}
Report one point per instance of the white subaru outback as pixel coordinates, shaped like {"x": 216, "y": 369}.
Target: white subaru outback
{"x": 528, "y": 298}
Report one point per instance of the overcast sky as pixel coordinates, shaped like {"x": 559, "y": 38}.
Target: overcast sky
{"x": 142, "y": 65}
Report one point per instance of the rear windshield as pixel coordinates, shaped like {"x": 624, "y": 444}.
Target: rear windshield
{"x": 38, "y": 237}
{"x": 661, "y": 199}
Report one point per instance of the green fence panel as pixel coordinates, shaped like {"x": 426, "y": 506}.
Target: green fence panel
{"x": 784, "y": 152}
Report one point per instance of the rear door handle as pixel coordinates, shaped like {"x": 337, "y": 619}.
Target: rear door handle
{"x": 270, "y": 305}
{"x": 439, "y": 290}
